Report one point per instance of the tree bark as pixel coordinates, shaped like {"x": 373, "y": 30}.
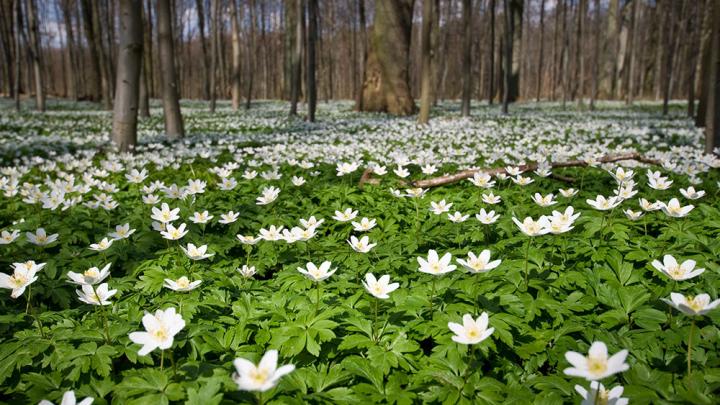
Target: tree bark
{"x": 579, "y": 87}
{"x": 609, "y": 84}
{"x": 252, "y": 48}
{"x": 466, "y": 57}
{"x": 387, "y": 83}
{"x": 214, "y": 50}
{"x": 629, "y": 68}
{"x": 491, "y": 54}
{"x": 171, "y": 105}
{"x": 37, "y": 61}
{"x": 692, "y": 50}
{"x": 311, "y": 58}
{"x": 666, "y": 68}
{"x": 17, "y": 23}
{"x": 203, "y": 47}
{"x": 596, "y": 56}
{"x": 72, "y": 68}
{"x": 507, "y": 56}
{"x": 538, "y": 85}
{"x": 236, "y": 61}
{"x": 297, "y": 55}
{"x": 426, "y": 63}
{"x": 703, "y": 79}
{"x": 712, "y": 125}
{"x": 124, "y": 131}
{"x": 105, "y": 90}
{"x": 516, "y": 54}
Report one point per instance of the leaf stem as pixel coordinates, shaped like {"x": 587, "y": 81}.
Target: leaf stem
{"x": 527, "y": 253}
{"x": 689, "y": 355}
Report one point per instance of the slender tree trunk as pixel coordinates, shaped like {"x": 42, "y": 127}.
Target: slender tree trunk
{"x": 507, "y": 66}
{"x": 541, "y": 52}
{"x": 236, "y": 89}
{"x": 252, "y": 47}
{"x": 596, "y": 55}
{"x": 200, "y": 8}
{"x": 703, "y": 79}
{"x": 466, "y": 57}
{"x": 171, "y": 105}
{"x": 17, "y": 23}
{"x": 297, "y": 55}
{"x": 564, "y": 57}
{"x": 71, "y": 67}
{"x": 97, "y": 40}
{"x": 491, "y": 54}
{"x": 387, "y": 82}
{"x": 426, "y": 63}
{"x": 264, "y": 47}
{"x": 214, "y": 50}
{"x": 691, "y": 56}
{"x": 144, "y": 102}
{"x": 37, "y": 61}
{"x": 556, "y": 53}
{"x": 516, "y": 52}
{"x": 311, "y": 58}
{"x": 359, "y": 106}
{"x": 8, "y": 42}
{"x": 124, "y": 132}
{"x": 148, "y": 51}
{"x": 629, "y": 69}
{"x": 712, "y": 125}
{"x": 666, "y": 68}
{"x": 579, "y": 88}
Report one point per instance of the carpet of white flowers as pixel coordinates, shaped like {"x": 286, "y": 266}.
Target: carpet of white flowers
{"x": 248, "y": 263}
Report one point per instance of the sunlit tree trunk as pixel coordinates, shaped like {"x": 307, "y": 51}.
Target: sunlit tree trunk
{"x": 203, "y": 48}
{"x": 596, "y": 55}
{"x": 236, "y": 89}
{"x": 214, "y": 50}
{"x": 466, "y": 57}
{"x": 426, "y": 63}
{"x": 297, "y": 55}
{"x": 125, "y": 113}
{"x": 171, "y": 105}
{"x": 312, "y": 58}
{"x": 34, "y": 42}
{"x": 491, "y": 54}
{"x": 387, "y": 83}
{"x": 712, "y": 124}
{"x": 538, "y": 85}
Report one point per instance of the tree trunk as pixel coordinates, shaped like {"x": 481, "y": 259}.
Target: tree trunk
{"x": 148, "y": 51}
{"x": 466, "y": 57}
{"x": 703, "y": 79}
{"x": 144, "y": 102}
{"x": 629, "y": 68}
{"x": 214, "y": 50}
{"x": 693, "y": 38}
{"x": 387, "y": 83}
{"x": 203, "y": 47}
{"x": 252, "y": 48}
{"x": 666, "y": 68}
{"x": 507, "y": 56}
{"x": 359, "y": 106}
{"x": 71, "y": 68}
{"x": 236, "y": 89}
{"x": 297, "y": 55}
{"x": 102, "y": 57}
{"x": 8, "y": 46}
{"x": 171, "y": 105}
{"x": 124, "y": 131}
{"x": 579, "y": 88}
{"x": 564, "y": 56}
{"x": 609, "y": 84}
{"x": 35, "y": 55}
{"x": 311, "y": 58}
{"x": 426, "y": 63}
{"x": 516, "y": 19}
{"x": 17, "y": 23}
{"x": 491, "y": 54}
{"x": 596, "y": 55}
{"x": 712, "y": 125}
{"x": 538, "y": 85}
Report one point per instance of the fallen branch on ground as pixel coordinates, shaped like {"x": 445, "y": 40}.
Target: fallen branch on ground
{"x": 367, "y": 177}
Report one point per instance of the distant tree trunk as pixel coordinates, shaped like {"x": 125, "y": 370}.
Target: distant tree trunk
{"x": 363, "y": 53}
{"x": 440, "y": 90}
{"x": 124, "y": 132}
{"x": 712, "y": 126}
{"x": 203, "y": 47}
{"x": 516, "y": 54}
{"x": 693, "y": 38}
{"x": 466, "y": 57}
{"x": 148, "y": 51}
{"x": 72, "y": 68}
{"x": 236, "y": 61}
{"x": 596, "y": 55}
{"x": 252, "y": 48}
{"x": 426, "y": 62}
{"x": 610, "y": 68}
{"x": 538, "y": 85}
{"x": 556, "y": 53}
{"x": 264, "y": 48}
{"x": 214, "y": 50}
{"x": 564, "y": 57}
{"x": 703, "y": 79}
{"x": 507, "y": 53}
{"x": 579, "y": 88}
{"x": 297, "y": 55}
{"x": 105, "y": 89}
{"x": 8, "y": 46}
{"x": 491, "y": 54}
{"x": 387, "y": 83}
{"x": 311, "y": 58}
{"x": 34, "y": 43}
{"x": 629, "y": 69}
{"x": 17, "y": 23}
{"x": 144, "y": 102}
{"x": 666, "y": 67}
{"x": 171, "y": 105}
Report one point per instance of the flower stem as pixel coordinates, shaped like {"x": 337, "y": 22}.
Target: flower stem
{"x": 162, "y": 359}
{"x": 432, "y": 297}
{"x": 105, "y": 323}
{"x": 527, "y": 253}
{"x": 692, "y": 329}
{"x": 260, "y": 399}
{"x": 317, "y": 303}
{"x": 471, "y": 357}
{"x": 375, "y": 321}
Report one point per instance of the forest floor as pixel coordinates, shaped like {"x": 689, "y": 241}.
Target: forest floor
{"x": 252, "y": 202}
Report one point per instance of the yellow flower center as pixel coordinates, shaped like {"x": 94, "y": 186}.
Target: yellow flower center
{"x": 597, "y": 365}
{"x": 19, "y": 280}
{"x": 91, "y": 273}
{"x": 259, "y": 376}
{"x": 183, "y": 282}
{"x": 160, "y": 334}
